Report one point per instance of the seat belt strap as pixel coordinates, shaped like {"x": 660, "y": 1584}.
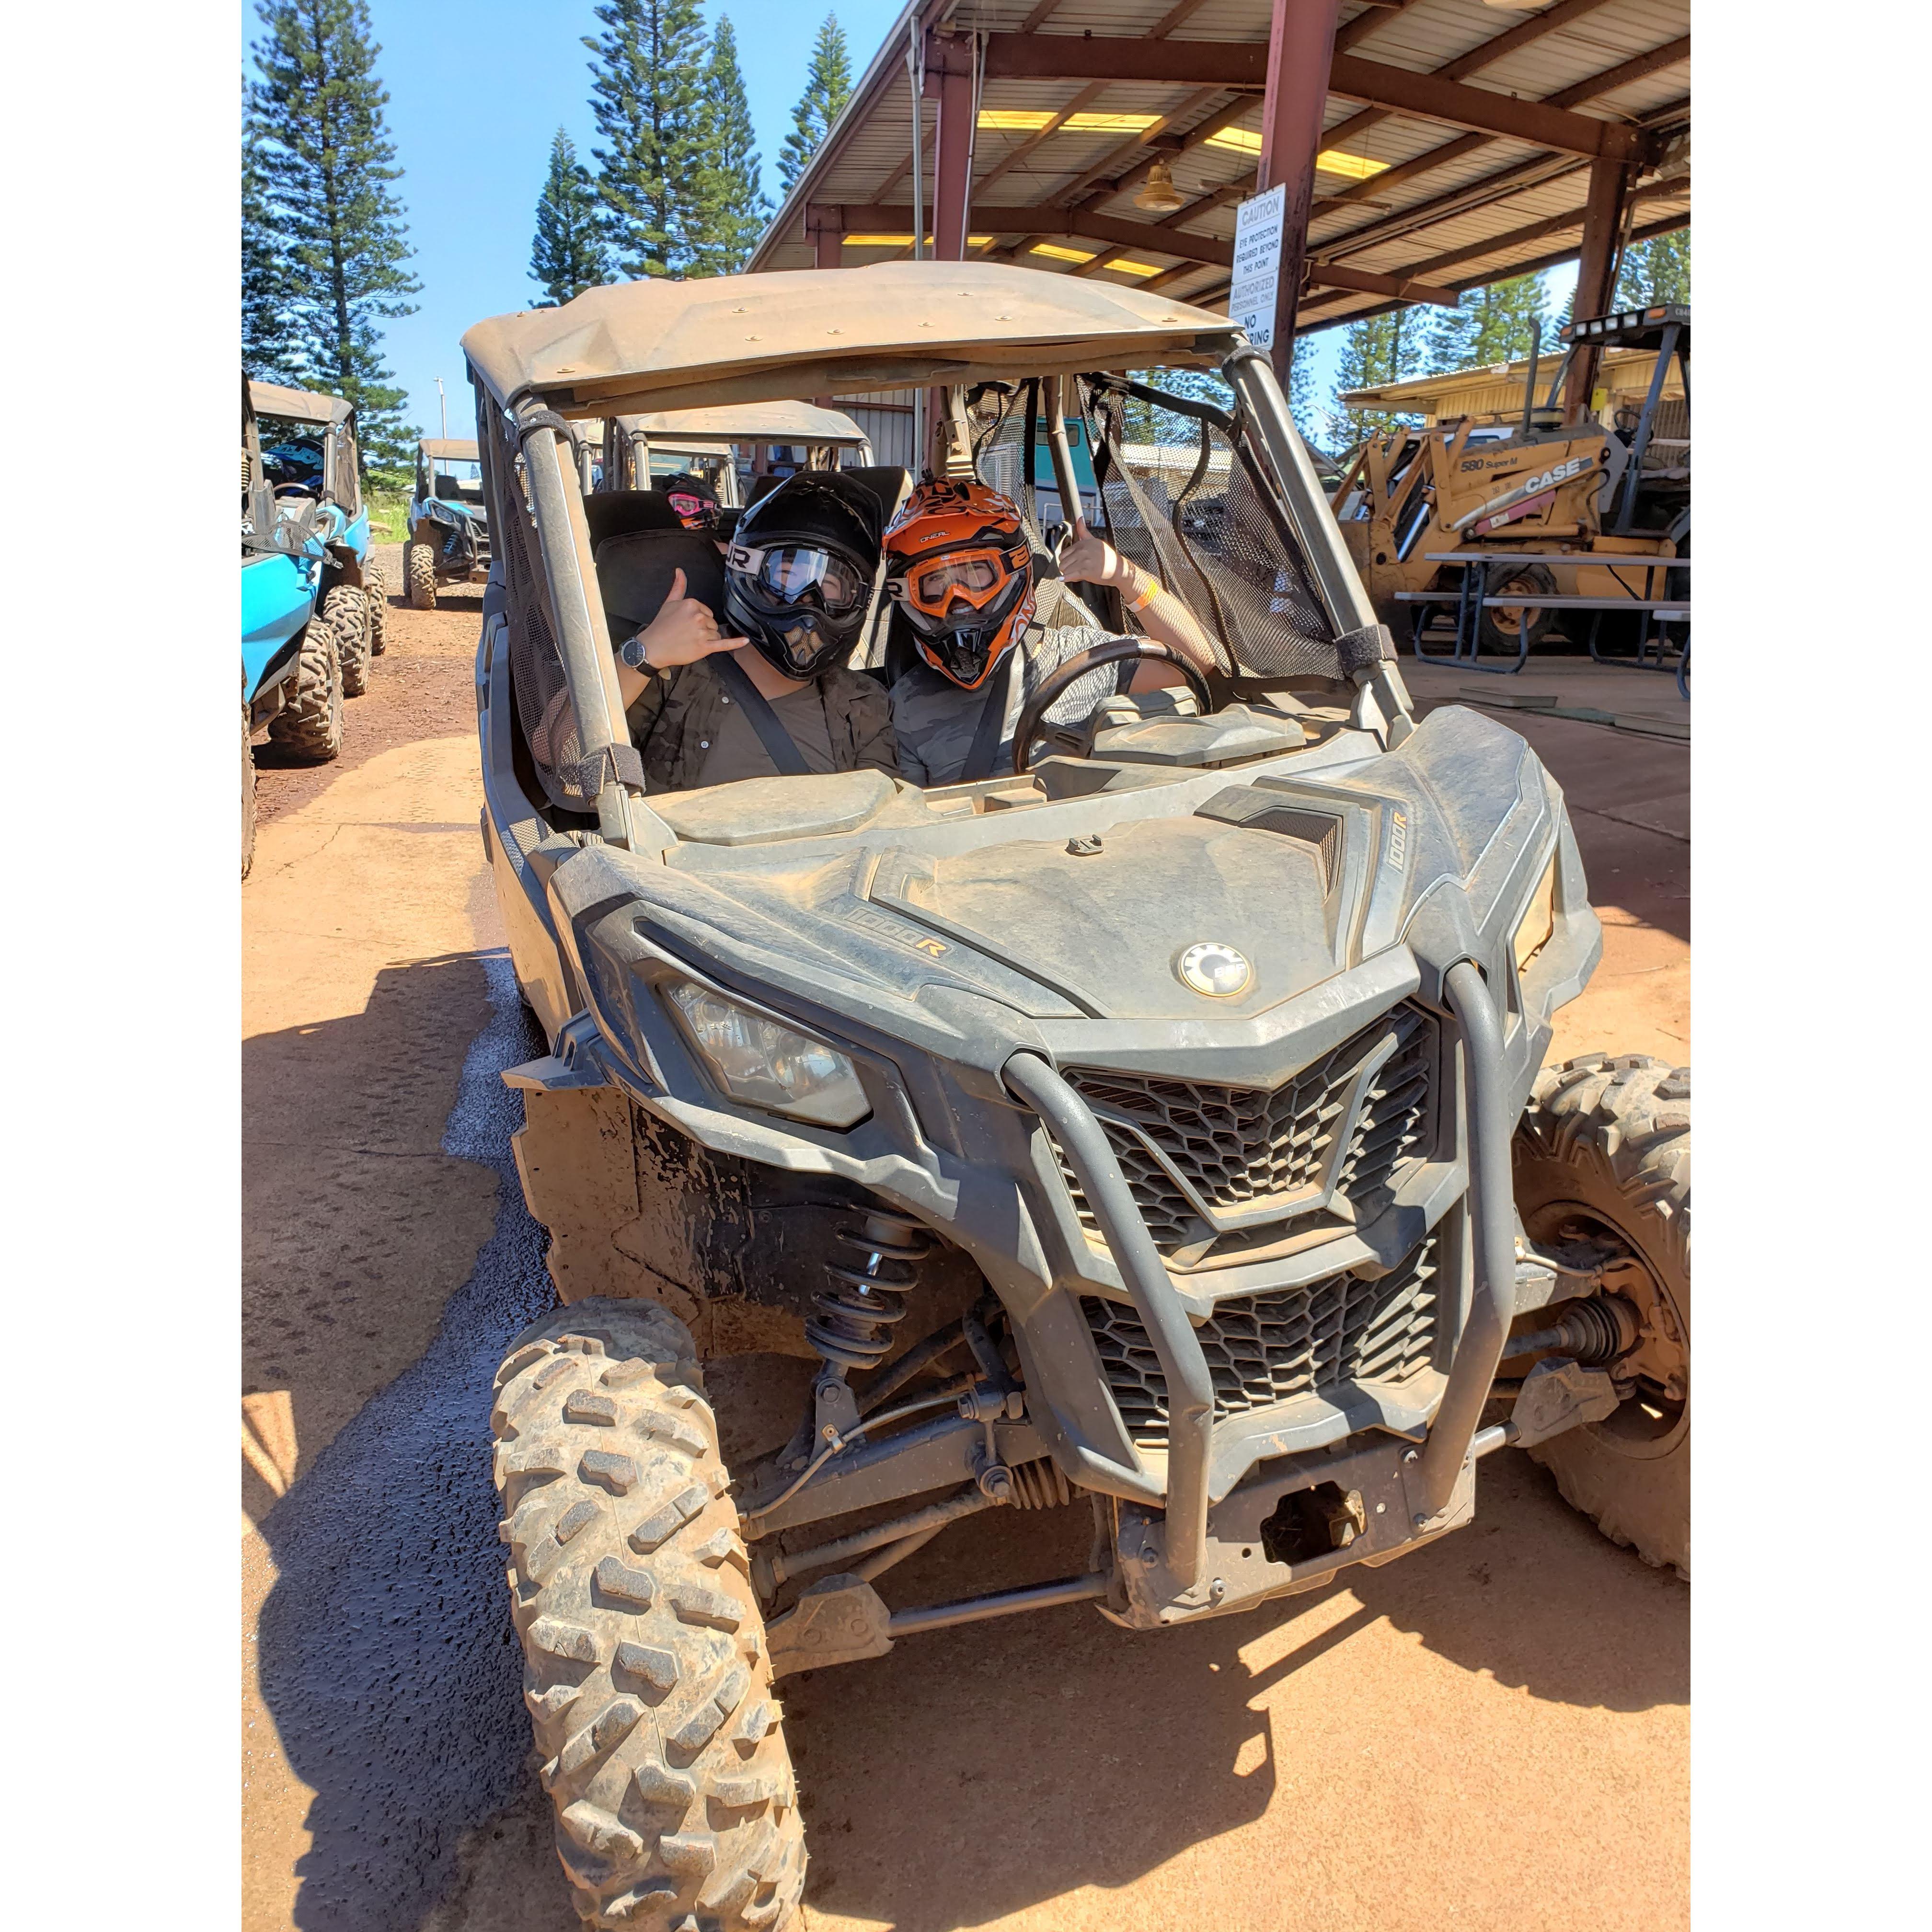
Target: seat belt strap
{"x": 777, "y": 741}
{"x": 987, "y": 734}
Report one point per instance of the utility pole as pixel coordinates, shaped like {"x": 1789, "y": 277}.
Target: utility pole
{"x": 443, "y": 404}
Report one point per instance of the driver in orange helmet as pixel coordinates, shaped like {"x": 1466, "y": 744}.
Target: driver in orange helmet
{"x": 959, "y": 566}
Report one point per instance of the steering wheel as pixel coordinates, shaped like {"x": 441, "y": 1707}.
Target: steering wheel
{"x": 1119, "y": 652}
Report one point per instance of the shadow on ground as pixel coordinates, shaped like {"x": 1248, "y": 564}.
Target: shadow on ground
{"x": 386, "y": 1656}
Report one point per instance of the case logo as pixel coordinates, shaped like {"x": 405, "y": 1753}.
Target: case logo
{"x": 1215, "y": 970}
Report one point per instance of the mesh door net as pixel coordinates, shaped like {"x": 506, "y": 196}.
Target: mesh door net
{"x": 1183, "y": 496}
{"x": 536, "y": 668}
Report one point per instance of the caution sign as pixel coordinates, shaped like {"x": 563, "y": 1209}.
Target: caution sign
{"x": 1258, "y": 227}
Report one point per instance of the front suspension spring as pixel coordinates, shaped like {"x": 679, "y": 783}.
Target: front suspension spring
{"x": 856, "y": 1313}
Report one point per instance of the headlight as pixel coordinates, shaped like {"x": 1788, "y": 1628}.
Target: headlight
{"x": 765, "y": 1064}
{"x": 1533, "y": 930}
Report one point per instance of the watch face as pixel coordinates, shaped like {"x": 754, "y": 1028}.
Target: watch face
{"x": 633, "y": 654}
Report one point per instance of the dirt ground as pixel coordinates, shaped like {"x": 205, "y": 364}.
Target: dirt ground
{"x": 1494, "y": 1730}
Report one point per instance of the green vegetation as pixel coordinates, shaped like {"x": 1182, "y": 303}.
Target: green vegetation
{"x": 732, "y": 208}
{"x": 828, "y": 86}
{"x": 1656, "y": 271}
{"x": 567, "y": 255}
{"x": 324, "y": 240}
{"x": 646, "y": 92}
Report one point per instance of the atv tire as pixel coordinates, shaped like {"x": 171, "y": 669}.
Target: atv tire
{"x": 1603, "y": 1150}
{"x": 376, "y": 589}
{"x": 248, "y": 796}
{"x": 347, "y": 609}
{"x": 646, "y": 1673}
{"x": 419, "y": 573}
{"x": 309, "y": 725}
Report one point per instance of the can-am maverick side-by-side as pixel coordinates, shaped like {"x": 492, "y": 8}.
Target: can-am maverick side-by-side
{"x": 291, "y": 663}
{"x": 449, "y": 521}
{"x": 310, "y": 456}
{"x": 1160, "y": 1131}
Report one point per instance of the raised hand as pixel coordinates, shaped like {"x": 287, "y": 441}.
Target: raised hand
{"x": 1086, "y": 559}
{"x": 683, "y": 630}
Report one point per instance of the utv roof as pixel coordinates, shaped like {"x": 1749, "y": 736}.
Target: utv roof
{"x": 784, "y": 422}
{"x": 271, "y": 399}
{"x": 894, "y": 325}
{"x": 448, "y": 448}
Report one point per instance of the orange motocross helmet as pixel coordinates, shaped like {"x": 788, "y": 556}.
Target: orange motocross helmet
{"x": 959, "y": 564}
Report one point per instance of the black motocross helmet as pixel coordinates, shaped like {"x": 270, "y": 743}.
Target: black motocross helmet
{"x": 798, "y": 575}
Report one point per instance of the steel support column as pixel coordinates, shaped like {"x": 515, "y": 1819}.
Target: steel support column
{"x": 1596, "y": 275}
{"x": 1301, "y": 44}
{"x": 827, "y": 227}
{"x": 948, "y": 78}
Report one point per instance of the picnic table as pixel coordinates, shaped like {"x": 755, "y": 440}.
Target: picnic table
{"x": 1470, "y": 596}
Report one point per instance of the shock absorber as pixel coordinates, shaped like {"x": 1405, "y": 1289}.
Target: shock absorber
{"x": 856, "y": 1313}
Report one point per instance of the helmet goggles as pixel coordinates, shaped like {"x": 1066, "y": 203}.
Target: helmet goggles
{"x": 694, "y": 511}
{"x": 936, "y": 589}
{"x": 791, "y": 572}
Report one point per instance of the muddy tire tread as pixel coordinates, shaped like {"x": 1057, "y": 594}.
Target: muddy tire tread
{"x": 419, "y": 575}
{"x": 309, "y": 725}
{"x": 1621, "y": 1121}
{"x": 345, "y": 608}
{"x": 375, "y": 588}
{"x": 646, "y": 1673}
{"x": 247, "y": 797}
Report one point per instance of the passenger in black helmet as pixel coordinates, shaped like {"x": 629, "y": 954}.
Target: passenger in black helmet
{"x": 768, "y": 692}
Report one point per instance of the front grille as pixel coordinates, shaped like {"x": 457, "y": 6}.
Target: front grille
{"x": 1256, "y": 1147}
{"x": 1266, "y": 1349}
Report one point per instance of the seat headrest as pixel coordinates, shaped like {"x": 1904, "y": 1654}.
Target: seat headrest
{"x": 634, "y": 571}
{"x": 889, "y": 484}
{"x": 611, "y": 513}
{"x": 762, "y": 486}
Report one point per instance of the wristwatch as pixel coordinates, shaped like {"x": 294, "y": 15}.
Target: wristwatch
{"x": 633, "y": 654}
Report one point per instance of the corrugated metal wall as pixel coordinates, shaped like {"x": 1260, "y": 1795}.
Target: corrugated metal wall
{"x": 885, "y": 416}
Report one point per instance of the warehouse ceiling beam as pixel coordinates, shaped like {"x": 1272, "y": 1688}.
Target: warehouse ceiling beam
{"x": 1239, "y": 63}
{"x": 895, "y": 218}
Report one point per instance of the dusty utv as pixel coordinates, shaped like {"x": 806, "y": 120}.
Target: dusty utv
{"x": 291, "y": 664}
{"x": 449, "y": 522}
{"x": 310, "y": 441}
{"x": 1159, "y": 1135}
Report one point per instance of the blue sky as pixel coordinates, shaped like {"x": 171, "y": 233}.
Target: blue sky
{"x": 470, "y": 184}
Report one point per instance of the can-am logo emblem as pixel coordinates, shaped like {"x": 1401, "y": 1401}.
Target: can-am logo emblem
{"x": 1217, "y": 970}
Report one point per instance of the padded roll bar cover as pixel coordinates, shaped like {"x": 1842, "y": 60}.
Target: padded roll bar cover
{"x": 635, "y": 573}
{"x": 1364, "y": 649}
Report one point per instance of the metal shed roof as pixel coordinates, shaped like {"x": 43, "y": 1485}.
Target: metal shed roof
{"x": 1457, "y": 143}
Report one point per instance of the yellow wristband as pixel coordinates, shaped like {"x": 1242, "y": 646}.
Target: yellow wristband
{"x": 1147, "y": 596}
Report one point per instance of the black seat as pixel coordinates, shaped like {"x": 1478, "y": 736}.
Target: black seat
{"x": 634, "y": 571}
{"x": 762, "y": 486}
{"x": 614, "y": 513}
{"x": 889, "y": 484}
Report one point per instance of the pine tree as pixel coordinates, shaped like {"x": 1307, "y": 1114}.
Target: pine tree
{"x": 647, "y": 93}
{"x": 828, "y": 86}
{"x": 269, "y": 348}
{"x": 731, "y": 209}
{"x": 1491, "y": 324}
{"x": 567, "y": 255}
{"x": 1656, "y": 271}
{"x": 322, "y": 162}
{"x": 1377, "y": 350}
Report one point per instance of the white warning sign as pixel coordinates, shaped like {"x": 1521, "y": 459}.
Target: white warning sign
{"x": 1258, "y": 225}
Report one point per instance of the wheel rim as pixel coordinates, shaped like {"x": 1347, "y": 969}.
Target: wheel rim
{"x": 1511, "y": 620}
{"x": 1654, "y": 1421}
